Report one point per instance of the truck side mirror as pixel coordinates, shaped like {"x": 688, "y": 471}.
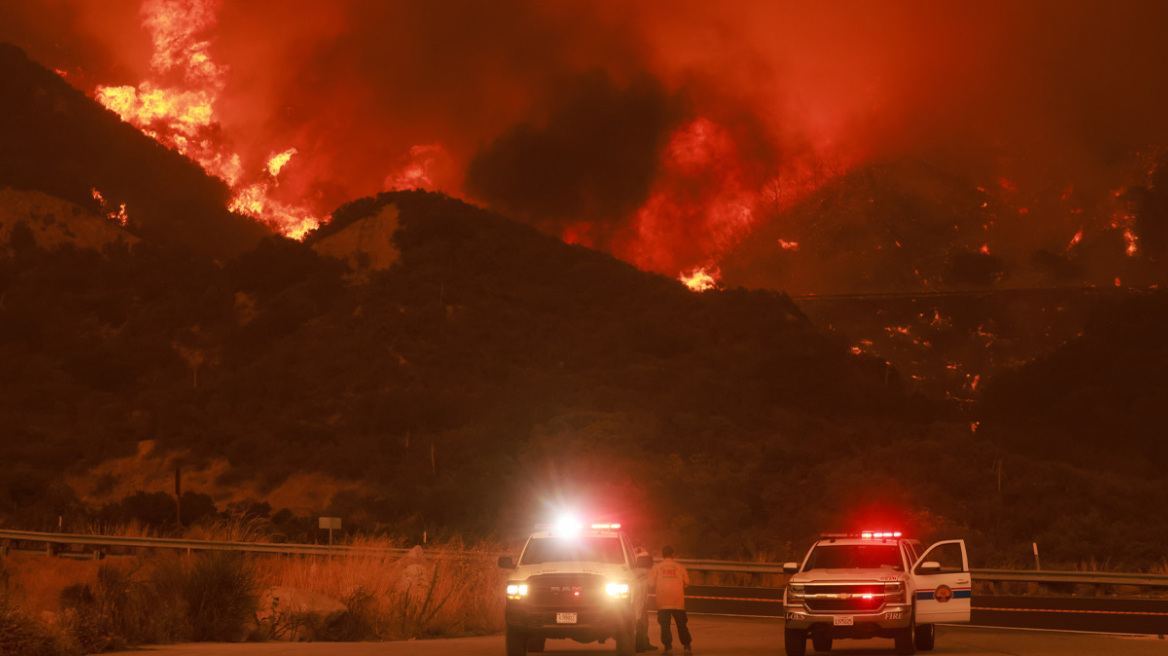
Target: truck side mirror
{"x": 929, "y": 567}
{"x": 644, "y": 562}
{"x": 790, "y": 568}
{"x": 506, "y": 563}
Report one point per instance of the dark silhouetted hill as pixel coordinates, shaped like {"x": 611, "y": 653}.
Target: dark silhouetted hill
{"x": 1100, "y": 401}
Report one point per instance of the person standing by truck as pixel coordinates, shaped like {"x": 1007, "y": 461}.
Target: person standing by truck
{"x": 643, "y": 643}
{"x": 669, "y": 579}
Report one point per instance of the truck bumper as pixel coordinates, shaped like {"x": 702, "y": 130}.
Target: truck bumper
{"x": 590, "y": 624}
{"x": 884, "y": 623}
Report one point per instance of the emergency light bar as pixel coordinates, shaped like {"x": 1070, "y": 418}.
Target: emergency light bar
{"x": 876, "y": 535}
{"x": 571, "y": 526}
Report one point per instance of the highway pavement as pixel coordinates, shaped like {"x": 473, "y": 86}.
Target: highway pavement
{"x": 713, "y": 636}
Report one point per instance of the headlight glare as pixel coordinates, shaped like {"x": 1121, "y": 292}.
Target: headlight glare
{"x": 617, "y": 589}
{"x": 516, "y": 590}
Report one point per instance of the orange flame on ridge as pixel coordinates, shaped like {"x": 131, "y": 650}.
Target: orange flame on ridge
{"x": 701, "y": 279}
{"x": 183, "y": 118}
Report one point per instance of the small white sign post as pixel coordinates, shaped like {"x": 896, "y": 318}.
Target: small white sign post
{"x": 330, "y": 523}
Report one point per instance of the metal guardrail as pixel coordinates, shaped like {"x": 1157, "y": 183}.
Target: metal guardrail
{"x": 996, "y": 575}
{"x": 1093, "y": 578}
{"x": 193, "y": 545}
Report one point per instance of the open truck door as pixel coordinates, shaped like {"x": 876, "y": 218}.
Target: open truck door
{"x": 943, "y": 584}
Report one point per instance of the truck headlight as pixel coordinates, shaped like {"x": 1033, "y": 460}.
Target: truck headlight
{"x": 617, "y": 589}
{"x": 516, "y": 590}
{"x": 894, "y": 592}
{"x": 795, "y": 592}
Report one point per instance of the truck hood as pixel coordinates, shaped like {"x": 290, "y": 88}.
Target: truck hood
{"x": 849, "y": 575}
{"x": 611, "y": 572}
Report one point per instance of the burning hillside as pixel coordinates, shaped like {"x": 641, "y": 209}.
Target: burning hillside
{"x": 55, "y": 140}
{"x": 664, "y": 136}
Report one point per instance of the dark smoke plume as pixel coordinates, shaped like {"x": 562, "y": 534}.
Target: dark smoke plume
{"x": 594, "y": 159}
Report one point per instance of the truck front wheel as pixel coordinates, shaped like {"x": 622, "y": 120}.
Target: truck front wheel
{"x": 821, "y": 643}
{"x": 516, "y": 643}
{"x": 906, "y": 638}
{"x": 795, "y": 642}
{"x": 926, "y": 636}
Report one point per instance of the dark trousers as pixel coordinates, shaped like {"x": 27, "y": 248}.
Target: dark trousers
{"x": 643, "y": 629}
{"x": 678, "y": 616}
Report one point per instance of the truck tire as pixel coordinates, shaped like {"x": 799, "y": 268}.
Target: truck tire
{"x": 926, "y": 636}
{"x": 795, "y": 642}
{"x": 906, "y": 638}
{"x": 626, "y": 639}
{"x": 516, "y": 643}
{"x": 535, "y": 645}
{"x": 821, "y": 643}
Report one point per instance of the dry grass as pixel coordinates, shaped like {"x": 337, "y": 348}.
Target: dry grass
{"x": 239, "y": 528}
{"x": 35, "y": 582}
{"x": 132, "y": 530}
{"x": 372, "y": 592}
{"x": 440, "y": 591}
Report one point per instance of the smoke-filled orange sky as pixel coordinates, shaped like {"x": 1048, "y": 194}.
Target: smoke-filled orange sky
{"x": 664, "y": 132}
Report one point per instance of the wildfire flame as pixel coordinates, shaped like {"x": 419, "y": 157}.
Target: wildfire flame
{"x": 421, "y": 169}
{"x": 700, "y": 279}
{"x": 120, "y": 217}
{"x": 183, "y": 117}
{"x": 277, "y": 162}
{"x": 696, "y": 157}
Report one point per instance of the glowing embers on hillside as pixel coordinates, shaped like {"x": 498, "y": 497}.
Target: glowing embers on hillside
{"x": 177, "y": 108}
{"x": 120, "y": 216}
{"x": 1130, "y": 239}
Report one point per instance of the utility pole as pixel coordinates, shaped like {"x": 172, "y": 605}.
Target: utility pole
{"x": 178, "y": 494}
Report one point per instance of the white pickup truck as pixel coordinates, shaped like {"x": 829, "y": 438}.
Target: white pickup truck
{"x": 585, "y": 584}
{"x": 875, "y": 584}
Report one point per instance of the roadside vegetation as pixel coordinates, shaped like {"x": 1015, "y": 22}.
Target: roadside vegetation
{"x": 159, "y": 597}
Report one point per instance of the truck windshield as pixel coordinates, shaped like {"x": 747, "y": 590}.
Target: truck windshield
{"x": 855, "y": 556}
{"x": 590, "y": 549}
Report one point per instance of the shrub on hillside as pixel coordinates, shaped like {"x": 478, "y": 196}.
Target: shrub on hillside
{"x": 220, "y": 593}
{"x": 21, "y": 635}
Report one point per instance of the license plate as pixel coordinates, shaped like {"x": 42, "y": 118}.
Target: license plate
{"x": 846, "y": 620}
{"x": 570, "y": 618}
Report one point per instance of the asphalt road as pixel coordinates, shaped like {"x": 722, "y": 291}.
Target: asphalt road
{"x": 713, "y": 636}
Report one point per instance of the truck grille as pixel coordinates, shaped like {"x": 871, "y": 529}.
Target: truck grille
{"x": 844, "y": 598}
{"x": 566, "y": 590}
